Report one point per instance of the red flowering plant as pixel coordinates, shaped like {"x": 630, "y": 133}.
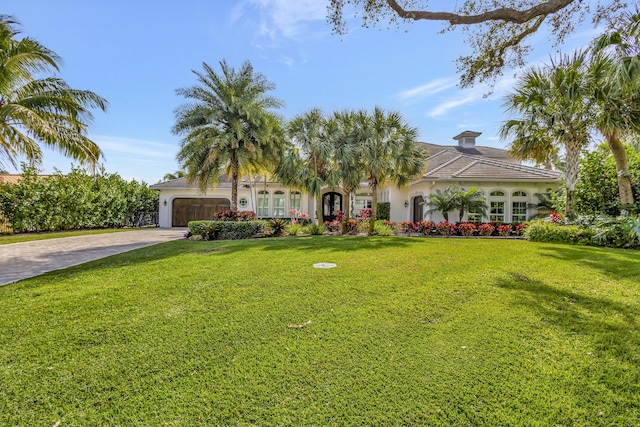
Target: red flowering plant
{"x": 335, "y": 226}
{"x": 231, "y": 215}
{"x": 521, "y": 227}
{"x": 555, "y": 217}
{"x": 365, "y": 214}
{"x": 505, "y": 230}
{"x": 298, "y": 217}
{"x": 445, "y": 228}
{"x": 408, "y": 227}
{"x": 467, "y": 229}
{"x": 352, "y": 226}
{"x": 486, "y": 229}
{"x": 425, "y": 227}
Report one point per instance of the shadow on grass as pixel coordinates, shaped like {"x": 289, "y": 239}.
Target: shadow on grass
{"x": 611, "y": 326}
{"x": 615, "y": 263}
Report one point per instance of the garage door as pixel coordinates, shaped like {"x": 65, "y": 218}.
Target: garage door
{"x": 185, "y": 210}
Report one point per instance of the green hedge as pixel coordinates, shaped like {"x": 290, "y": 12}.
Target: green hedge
{"x": 542, "y": 231}
{"x": 383, "y": 211}
{"x": 73, "y": 201}
{"x": 227, "y": 230}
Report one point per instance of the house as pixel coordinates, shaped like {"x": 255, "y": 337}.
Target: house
{"x": 508, "y": 185}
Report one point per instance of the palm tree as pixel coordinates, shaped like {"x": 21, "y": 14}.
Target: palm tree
{"x": 46, "y": 110}
{"x": 308, "y": 164}
{"x": 347, "y": 159}
{"x": 555, "y": 109}
{"x": 388, "y": 151}
{"x": 443, "y": 201}
{"x": 227, "y": 126}
{"x": 615, "y": 80}
{"x": 470, "y": 200}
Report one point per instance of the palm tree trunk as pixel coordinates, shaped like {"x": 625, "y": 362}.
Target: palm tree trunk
{"x": 319, "y": 208}
{"x": 234, "y": 181}
{"x": 622, "y": 168}
{"x": 573, "y": 147}
{"x": 374, "y": 206}
{"x": 346, "y": 206}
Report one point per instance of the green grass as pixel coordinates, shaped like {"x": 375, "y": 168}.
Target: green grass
{"x": 5, "y": 239}
{"x": 404, "y": 331}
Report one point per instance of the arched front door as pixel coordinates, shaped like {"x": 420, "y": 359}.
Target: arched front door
{"x": 418, "y": 209}
{"x": 331, "y": 202}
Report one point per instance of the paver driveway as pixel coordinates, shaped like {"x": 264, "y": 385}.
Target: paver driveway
{"x": 27, "y": 259}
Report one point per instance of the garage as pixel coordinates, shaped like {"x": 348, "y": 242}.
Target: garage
{"x": 193, "y": 209}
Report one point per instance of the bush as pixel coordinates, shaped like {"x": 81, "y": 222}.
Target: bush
{"x": 445, "y": 228}
{"x": 505, "y": 230}
{"x": 408, "y": 227}
{"x": 294, "y": 229}
{"x": 277, "y": 226}
{"x": 383, "y": 228}
{"x": 231, "y": 215}
{"x": 545, "y": 231}
{"x": 486, "y": 229}
{"x": 229, "y": 230}
{"x": 467, "y": 229}
{"x": 383, "y": 211}
{"x": 315, "y": 229}
{"x": 425, "y": 227}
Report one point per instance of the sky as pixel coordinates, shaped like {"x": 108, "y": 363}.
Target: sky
{"x": 136, "y": 53}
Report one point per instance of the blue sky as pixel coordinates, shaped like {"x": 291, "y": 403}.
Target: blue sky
{"x": 136, "y": 53}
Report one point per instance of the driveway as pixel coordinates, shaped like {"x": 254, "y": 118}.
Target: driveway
{"x": 23, "y": 260}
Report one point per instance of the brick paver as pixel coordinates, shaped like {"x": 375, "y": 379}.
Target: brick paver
{"x": 23, "y": 260}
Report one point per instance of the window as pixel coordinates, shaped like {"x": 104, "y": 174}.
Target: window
{"x": 363, "y": 201}
{"x": 519, "y": 212}
{"x": 295, "y": 200}
{"x": 278, "y": 203}
{"x": 496, "y": 212}
{"x": 519, "y": 206}
{"x": 263, "y": 204}
{"x": 497, "y": 201}
{"x": 475, "y": 214}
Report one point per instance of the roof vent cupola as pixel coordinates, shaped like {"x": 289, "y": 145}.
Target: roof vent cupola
{"x": 467, "y": 138}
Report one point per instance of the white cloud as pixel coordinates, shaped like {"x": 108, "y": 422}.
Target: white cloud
{"x": 428, "y": 89}
{"x": 472, "y": 95}
{"x": 287, "y": 18}
{"x": 144, "y": 150}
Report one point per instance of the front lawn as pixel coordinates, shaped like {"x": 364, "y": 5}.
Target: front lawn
{"x": 404, "y": 331}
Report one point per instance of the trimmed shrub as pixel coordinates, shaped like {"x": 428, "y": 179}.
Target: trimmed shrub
{"x": 229, "y": 230}
{"x": 383, "y": 211}
{"x": 383, "y": 228}
{"x": 544, "y": 231}
{"x": 425, "y": 227}
{"x": 467, "y": 229}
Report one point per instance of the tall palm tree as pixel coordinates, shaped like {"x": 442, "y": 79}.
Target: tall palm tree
{"x": 308, "y": 164}
{"x": 615, "y": 72}
{"x": 38, "y": 110}
{"x": 388, "y": 151}
{"x": 227, "y": 126}
{"x": 470, "y": 200}
{"x": 555, "y": 108}
{"x": 347, "y": 159}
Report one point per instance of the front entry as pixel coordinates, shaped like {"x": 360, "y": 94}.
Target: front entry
{"x": 331, "y": 202}
{"x": 418, "y": 209}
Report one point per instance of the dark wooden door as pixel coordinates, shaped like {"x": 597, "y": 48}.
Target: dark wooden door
{"x": 418, "y": 209}
{"x": 331, "y": 202}
{"x": 185, "y": 210}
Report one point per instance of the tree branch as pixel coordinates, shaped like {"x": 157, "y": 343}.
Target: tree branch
{"x": 500, "y": 14}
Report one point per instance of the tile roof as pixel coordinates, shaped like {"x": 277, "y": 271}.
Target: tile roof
{"x": 450, "y": 164}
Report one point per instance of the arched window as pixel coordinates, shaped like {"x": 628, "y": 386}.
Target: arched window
{"x": 263, "y": 204}
{"x": 278, "y": 203}
{"x": 497, "y": 200}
